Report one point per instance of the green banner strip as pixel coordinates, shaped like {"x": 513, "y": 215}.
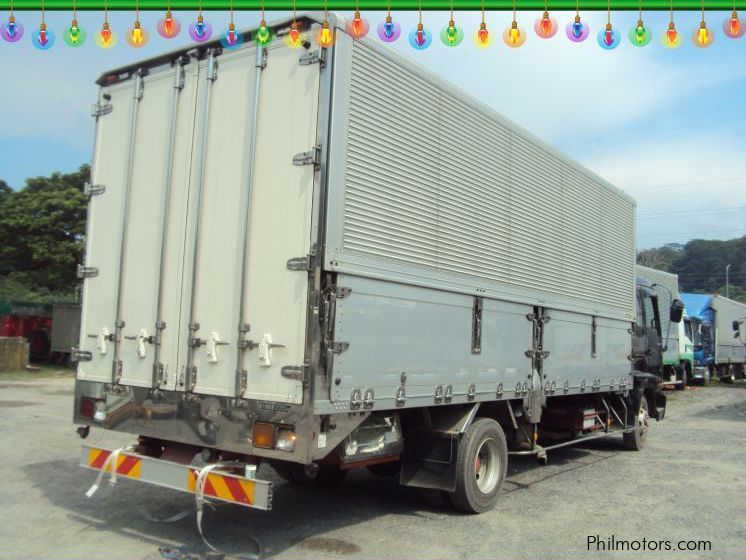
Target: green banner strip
{"x": 370, "y": 5}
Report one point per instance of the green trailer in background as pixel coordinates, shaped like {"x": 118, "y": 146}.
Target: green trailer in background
{"x": 678, "y": 349}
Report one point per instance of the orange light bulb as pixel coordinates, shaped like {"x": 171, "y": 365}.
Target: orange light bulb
{"x": 294, "y": 34}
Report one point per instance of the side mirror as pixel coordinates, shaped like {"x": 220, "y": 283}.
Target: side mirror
{"x": 677, "y": 311}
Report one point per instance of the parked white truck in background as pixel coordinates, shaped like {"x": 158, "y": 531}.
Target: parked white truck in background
{"x": 330, "y": 259}
{"x": 678, "y": 349}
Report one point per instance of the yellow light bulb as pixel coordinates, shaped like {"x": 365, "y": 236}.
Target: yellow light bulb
{"x": 326, "y": 36}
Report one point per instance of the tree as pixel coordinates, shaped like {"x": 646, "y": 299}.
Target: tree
{"x": 42, "y": 228}
{"x": 701, "y": 264}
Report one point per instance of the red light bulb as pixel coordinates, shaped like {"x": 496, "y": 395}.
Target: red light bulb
{"x": 672, "y": 34}
{"x": 168, "y": 23}
{"x": 420, "y": 35}
{"x": 106, "y": 34}
{"x": 608, "y": 35}
{"x": 546, "y": 24}
{"x": 483, "y": 34}
{"x": 357, "y": 24}
{"x": 735, "y": 25}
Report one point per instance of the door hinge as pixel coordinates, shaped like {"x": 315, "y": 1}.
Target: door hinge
{"x": 311, "y": 157}
{"x": 93, "y": 190}
{"x": 243, "y": 381}
{"x": 339, "y": 347}
{"x": 77, "y": 355}
{"x": 101, "y": 109}
{"x": 318, "y": 57}
{"x": 341, "y": 292}
{"x": 299, "y": 264}
{"x": 159, "y": 374}
{"x": 117, "y": 370}
{"x": 87, "y": 271}
{"x": 299, "y": 373}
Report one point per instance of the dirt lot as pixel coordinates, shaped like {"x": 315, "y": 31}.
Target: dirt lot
{"x": 688, "y": 484}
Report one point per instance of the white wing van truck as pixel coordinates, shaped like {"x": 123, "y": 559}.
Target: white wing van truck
{"x": 326, "y": 259}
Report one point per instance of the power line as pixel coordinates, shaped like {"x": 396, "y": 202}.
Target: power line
{"x": 691, "y": 213}
{"x": 710, "y": 232}
{"x": 686, "y": 184}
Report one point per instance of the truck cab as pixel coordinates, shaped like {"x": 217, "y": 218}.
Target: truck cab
{"x": 647, "y": 341}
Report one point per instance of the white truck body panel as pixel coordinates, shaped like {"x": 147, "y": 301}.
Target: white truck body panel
{"x": 203, "y": 232}
{"x": 729, "y": 349}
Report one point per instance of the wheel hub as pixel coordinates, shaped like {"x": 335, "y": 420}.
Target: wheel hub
{"x": 487, "y": 466}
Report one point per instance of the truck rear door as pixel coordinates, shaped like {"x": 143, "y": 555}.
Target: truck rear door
{"x": 235, "y": 212}
{"x": 272, "y": 329}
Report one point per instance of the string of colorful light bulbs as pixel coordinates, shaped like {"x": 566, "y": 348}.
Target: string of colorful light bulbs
{"x": 420, "y": 38}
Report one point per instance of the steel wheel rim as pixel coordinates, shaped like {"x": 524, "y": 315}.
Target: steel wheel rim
{"x": 487, "y": 466}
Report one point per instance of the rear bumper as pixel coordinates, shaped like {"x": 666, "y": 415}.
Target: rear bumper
{"x": 220, "y": 485}
{"x": 203, "y": 421}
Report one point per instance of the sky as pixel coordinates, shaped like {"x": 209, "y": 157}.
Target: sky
{"x": 666, "y": 126}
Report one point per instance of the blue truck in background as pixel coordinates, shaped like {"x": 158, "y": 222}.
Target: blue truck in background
{"x": 718, "y": 330}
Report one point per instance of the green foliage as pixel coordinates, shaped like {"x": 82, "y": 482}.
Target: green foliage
{"x": 701, "y": 264}
{"x": 42, "y": 228}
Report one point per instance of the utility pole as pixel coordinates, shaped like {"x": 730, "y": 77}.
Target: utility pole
{"x": 727, "y": 282}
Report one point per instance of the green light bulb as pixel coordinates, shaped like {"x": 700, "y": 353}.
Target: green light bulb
{"x": 263, "y": 35}
{"x": 452, "y": 33}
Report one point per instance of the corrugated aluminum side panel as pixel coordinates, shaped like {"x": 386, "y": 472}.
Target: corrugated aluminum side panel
{"x": 436, "y": 182}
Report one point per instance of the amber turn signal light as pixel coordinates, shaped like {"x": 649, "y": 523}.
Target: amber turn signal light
{"x": 264, "y": 435}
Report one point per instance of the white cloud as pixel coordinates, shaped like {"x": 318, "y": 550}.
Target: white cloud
{"x": 685, "y": 188}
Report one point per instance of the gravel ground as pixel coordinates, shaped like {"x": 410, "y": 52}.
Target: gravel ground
{"x": 687, "y": 484}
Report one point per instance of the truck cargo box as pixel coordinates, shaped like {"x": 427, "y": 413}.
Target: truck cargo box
{"x": 278, "y": 235}
{"x": 730, "y": 344}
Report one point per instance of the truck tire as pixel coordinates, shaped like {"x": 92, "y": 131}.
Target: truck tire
{"x": 481, "y": 467}
{"x": 634, "y": 440}
{"x": 684, "y": 378}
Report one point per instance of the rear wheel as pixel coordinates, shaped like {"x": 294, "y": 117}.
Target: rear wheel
{"x": 481, "y": 467}
{"x": 684, "y": 377}
{"x": 634, "y": 440}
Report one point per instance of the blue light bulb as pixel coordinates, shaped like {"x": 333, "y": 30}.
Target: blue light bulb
{"x": 388, "y": 29}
